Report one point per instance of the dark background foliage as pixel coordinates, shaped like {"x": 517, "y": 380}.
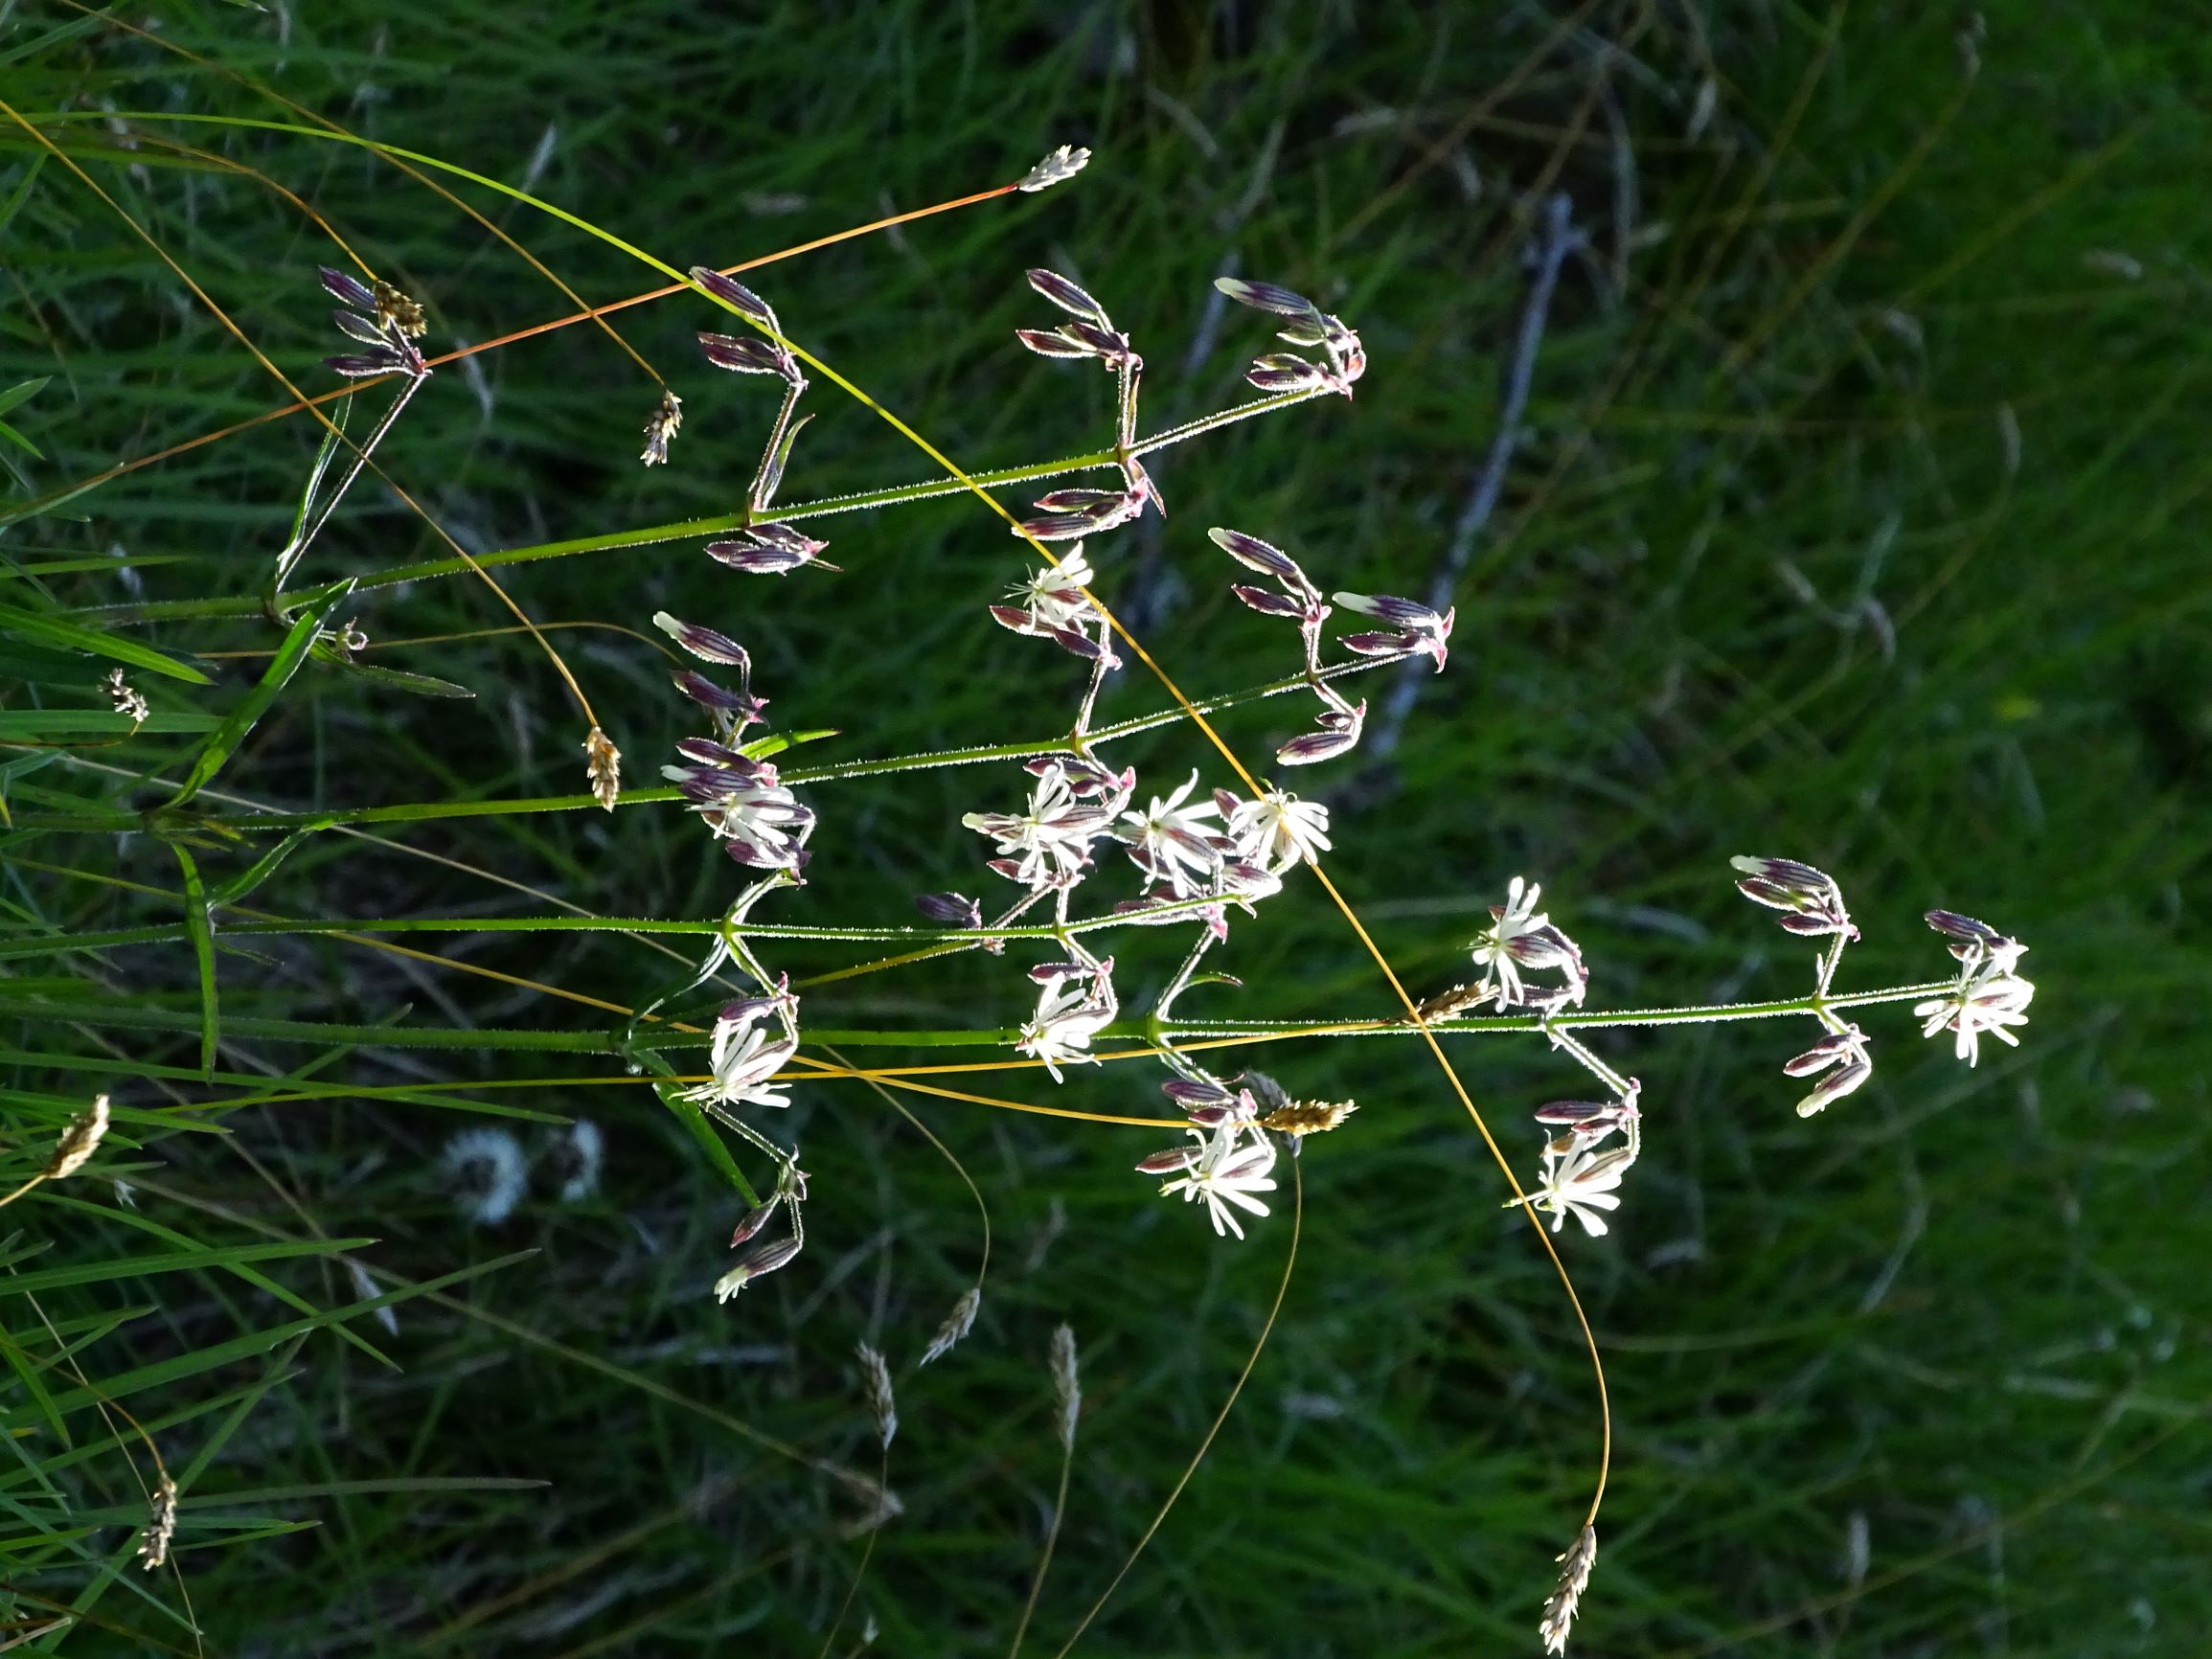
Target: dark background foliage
{"x": 1858, "y": 516}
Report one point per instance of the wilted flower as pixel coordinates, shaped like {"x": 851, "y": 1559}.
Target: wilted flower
{"x": 1227, "y": 1171}
{"x": 1520, "y": 937}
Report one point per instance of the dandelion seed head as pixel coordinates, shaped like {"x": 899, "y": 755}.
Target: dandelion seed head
{"x": 488, "y": 1173}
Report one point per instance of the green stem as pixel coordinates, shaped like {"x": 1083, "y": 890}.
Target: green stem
{"x": 859, "y": 501}
{"x": 419, "y": 811}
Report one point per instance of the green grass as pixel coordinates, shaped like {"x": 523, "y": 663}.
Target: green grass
{"x": 1959, "y": 1313}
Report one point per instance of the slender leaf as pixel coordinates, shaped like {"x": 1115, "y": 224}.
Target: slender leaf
{"x": 14, "y": 618}
{"x": 240, "y": 720}
{"x": 38, "y": 725}
{"x": 201, "y": 927}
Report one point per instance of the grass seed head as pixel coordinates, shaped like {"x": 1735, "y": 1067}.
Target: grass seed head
{"x": 603, "y": 764}
{"x": 78, "y": 1141}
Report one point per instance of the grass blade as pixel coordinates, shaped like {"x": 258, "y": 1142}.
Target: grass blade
{"x": 240, "y": 720}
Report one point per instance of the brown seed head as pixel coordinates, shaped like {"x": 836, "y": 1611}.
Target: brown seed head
{"x": 397, "y": 310}
{"x": 603, "y": 763}
{"x": 161, "y": 1527}
{"x": 1308, "y": 1117}
{"x": 78, "y": 1141}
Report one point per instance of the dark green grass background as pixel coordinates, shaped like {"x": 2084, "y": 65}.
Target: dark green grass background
{"x": 1962, "y": 1316}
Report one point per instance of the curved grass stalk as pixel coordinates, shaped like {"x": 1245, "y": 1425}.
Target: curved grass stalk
{"x": 278, "y": 375}
{"x": 1251, "y": 1363}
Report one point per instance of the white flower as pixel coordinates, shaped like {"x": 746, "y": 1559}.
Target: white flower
{"x": 489, "y": 1174}
{"x": 1051, "y": 842}
{"x": 1053, "y": 596}
{"x": 1520, "y": 937}
{"x": 1988, "y": 998}
{"x": 744, "y": 1057}
{"x": 1227, "y": 1173}
{"x": 1171, "y": 842}
{"x": 760, "y": 822}
{"x": 1581, "y": 1182}
{"x": 1277, "y": 829}
{"x": 1073, "y": 1009}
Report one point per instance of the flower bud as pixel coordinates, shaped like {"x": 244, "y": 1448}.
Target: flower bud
{"x": 736, "y": 295}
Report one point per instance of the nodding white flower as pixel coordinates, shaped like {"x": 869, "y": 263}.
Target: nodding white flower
{"x": 758, "y": 821}
{"x": 1581, "y": 1181}
{"x": 1276, "y": 829}
{"x": 1171, "y": 841}
{"x": 1074, "y": 1006}
{"x": 1229, "y": 1170}
{"x": 1053, "y": 606}
{"x": 1519, "y": 937}
{"x": 1050, "y": 844}
{"x": 1990, "y": 996}
{"x": 489, "y": 1174}
{"x": 744, "y": 1056}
